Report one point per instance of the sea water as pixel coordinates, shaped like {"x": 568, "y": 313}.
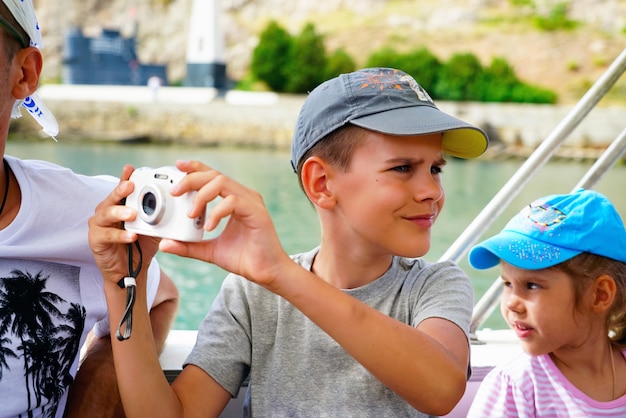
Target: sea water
{"x": 469, "y": 185}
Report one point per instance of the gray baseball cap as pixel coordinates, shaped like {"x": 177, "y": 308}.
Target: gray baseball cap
{"x": 384, "y": 100}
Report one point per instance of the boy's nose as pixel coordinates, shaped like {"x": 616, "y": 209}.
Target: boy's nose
{"x": 429, "y": 189}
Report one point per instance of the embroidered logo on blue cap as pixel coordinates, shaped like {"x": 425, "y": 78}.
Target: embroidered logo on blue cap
{"x": 545, "y": 216}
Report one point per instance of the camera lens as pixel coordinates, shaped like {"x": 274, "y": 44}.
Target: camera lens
{"x": 152, "y": 204}
{"x": 149, "y": 203}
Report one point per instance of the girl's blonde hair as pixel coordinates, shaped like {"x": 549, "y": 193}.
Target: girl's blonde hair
{"x": 584, "y": 269}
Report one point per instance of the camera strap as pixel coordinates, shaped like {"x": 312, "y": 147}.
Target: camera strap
{"x": 130, "y": 284}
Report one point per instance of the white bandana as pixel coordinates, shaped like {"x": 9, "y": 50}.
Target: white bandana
{"x": 24, "y": 12}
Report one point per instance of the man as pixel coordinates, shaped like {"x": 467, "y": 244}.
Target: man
{"x": 51, "y": 295}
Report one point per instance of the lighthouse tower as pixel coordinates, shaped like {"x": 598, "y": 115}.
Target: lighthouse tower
{"x": 205, "y": 48}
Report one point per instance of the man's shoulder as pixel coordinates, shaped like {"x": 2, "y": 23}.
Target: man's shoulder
{"x": 40, "y": 171}
{"x": 28, "y": 165}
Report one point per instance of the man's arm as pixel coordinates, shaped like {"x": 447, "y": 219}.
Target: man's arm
{"x": 94, "y": 392}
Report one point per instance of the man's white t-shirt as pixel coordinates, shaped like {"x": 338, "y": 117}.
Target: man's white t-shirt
{"x": 51, "y": 291}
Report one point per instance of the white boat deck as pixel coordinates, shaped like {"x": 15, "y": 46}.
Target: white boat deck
{"x": 493, "y": 348}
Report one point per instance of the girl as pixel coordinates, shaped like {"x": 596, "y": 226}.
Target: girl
{"x": 563, "y": 263}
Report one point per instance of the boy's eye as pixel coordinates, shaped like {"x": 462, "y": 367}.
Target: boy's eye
{"x": 402, "y": 168}
{"x": 436, "y": 170}
{"x": 532, "y": 286}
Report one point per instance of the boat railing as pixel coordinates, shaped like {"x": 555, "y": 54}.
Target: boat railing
{"x": 511, "y": 189}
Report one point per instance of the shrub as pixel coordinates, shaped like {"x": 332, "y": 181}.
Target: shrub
{"x": 299, "y": 64}
{"x": 339, "y": 62}
{"x": 497, "y": 82}
{"x": 556, "y": 19}
{"x": 525, "y": 93}
{"x": 422, "y": 64}
{"x": 271, "y": 56}
{"x": 307, "y": 61}
{"x": 460, "y": 78}
{"x": 384, "y": 57}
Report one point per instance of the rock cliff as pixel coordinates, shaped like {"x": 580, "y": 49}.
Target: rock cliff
{"x": 567, "y": 61}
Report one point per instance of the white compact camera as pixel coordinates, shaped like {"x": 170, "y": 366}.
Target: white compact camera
{"x": 159, "y": 214}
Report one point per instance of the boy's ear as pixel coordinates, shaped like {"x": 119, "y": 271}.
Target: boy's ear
{"x": 604, "y": 289}
{"x": 315, "y": 175}
{"x": 27, "y": 67}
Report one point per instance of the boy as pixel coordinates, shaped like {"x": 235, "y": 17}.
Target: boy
{"x": 359, "y": 326}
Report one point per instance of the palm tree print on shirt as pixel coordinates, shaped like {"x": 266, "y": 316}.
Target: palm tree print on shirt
{"x": 40, "y": 331}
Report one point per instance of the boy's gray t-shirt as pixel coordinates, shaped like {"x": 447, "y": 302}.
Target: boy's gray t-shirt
{"x": 295, "y": 368}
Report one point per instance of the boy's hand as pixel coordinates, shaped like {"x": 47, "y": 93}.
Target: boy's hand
{"x": 249, "y": 244}
{"x": 109, "y": 240}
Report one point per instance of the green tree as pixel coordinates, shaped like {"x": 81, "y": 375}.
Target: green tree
{"x": 271, "y": 56}
{"x": 339, "y": 62}
{"x": 307, "y": 61}
{"x": 421, "y": 64}
{"x": 497, "y": 82}
{"x": 460, "y": 78}
{"x": 386, "y": 57}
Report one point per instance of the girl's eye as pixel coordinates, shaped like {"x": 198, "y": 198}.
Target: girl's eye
{"x": 532, "y": 286}
{"x": 436, "y": 170}
{"x": 506, "y": 284}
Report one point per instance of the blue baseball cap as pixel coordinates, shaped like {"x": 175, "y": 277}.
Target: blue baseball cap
{"x": 384, "y": 100}
{"x": 554, "y": 229}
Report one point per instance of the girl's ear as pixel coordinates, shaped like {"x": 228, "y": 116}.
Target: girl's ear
{"x": 316, "y": 174}
{"x": 603, "y": 293}
{"x": 27, "y": 68}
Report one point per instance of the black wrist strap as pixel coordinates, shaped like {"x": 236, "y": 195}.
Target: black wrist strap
{"x": 129, "y": 283}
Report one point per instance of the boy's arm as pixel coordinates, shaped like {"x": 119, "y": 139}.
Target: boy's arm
{"x": 143, "y": 388}
{"x": 94, "y": 392}
{"x": 426, "y": 366}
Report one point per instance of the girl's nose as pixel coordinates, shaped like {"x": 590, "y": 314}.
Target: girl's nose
{"x": 511, "y": 302}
